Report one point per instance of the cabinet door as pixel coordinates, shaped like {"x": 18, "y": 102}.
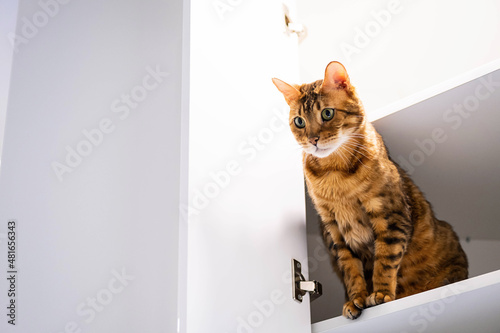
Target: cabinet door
{"x": 246, "y": 190}
{"x": 90, "y": 168}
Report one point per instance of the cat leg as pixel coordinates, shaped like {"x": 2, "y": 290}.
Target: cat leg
{"x": 350, "y": 268}
{"x": 391, "y": 238}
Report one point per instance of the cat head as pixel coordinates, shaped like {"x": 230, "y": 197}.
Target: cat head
{"x": 324, "y": 114}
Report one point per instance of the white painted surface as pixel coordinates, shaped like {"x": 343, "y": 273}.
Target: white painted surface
{"x": 434, "y": 90}
{"x": 483, "y": 256}
{"x": 117, "y": 212}
{"x": 245, "y": 174}
{"x": 463, "y": 307}
{"x": 394, "y": 50}
{"x": 8, "y": 17}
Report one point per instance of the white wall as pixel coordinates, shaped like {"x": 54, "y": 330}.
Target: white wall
{"x": 393, "y": 49}
{"x": 482, "y": 255}
{"x": 98, "y": 246}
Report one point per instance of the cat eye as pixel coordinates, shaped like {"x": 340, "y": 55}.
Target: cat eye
{"x": 327, "y": 113}
{"x": 299, "y": 122}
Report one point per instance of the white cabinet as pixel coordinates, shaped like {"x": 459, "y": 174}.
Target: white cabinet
{"x": 155, "y": 184}
{"x": 246, "y": 191}
{"x": 445, "y": 309}
{"x": 91, "y": 166}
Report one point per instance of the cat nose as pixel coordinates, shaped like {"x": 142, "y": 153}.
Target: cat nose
{"x": 314, "y": 140}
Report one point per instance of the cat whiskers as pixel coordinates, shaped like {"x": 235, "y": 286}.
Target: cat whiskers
{"x": 350, "y": 152}
{"x": 360, "y": 145}
{"x": 354, "y": 147}
{"x": 362, "y": 150}
{"x": 357, "y": 135}
{"x": 339, "y": 153}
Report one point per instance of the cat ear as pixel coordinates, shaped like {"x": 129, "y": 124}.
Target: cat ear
{"x": 290, "y": 92}
{"x": 335, "y": 76}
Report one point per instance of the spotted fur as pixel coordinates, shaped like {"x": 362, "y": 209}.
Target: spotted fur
{"x": 384, "y": 239}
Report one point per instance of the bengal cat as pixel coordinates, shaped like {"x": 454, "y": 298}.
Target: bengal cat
{"x": 383, "y": 237}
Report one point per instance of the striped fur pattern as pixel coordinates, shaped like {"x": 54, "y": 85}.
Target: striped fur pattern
{"x": 383, "y": 237}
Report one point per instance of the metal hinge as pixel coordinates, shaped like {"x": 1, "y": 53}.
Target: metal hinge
{"x": 300, "y": 286}
{"x": 292, "y": 27}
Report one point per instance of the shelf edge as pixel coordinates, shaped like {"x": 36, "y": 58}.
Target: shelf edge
{"x": 449, "y": 291}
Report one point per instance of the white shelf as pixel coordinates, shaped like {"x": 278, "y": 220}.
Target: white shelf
{"x": 468, "y": 306}
{"x": 434, "y": 90}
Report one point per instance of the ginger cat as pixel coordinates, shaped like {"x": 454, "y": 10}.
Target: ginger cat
{"x": 383, "y": 237}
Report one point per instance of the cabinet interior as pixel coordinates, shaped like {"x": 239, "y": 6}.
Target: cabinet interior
{"x": 458, "y": 175}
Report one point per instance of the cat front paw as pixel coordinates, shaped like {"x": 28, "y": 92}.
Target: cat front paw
{"x": 352, "y": 309}
{"x": 377, "y": 298}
